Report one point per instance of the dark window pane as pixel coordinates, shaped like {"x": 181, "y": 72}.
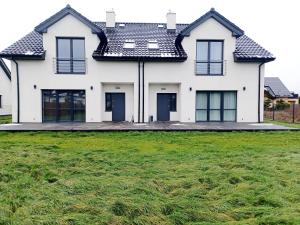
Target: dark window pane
{"x": 64, "y": 48}
{"x": 202, "y": 51}
{"x": 65, "y": 115}
{"x": 201, "y": 115}
{"x": 201, "y": 68}
{"x": 215, "y": 68}
{"x": 78, "y": 49}
{"x": 79, "y": 115}
{"x": 229, "y": 115}
{"x": 64, "y": 66}
{"x": 79, "y": 66}
{"x": 173, "y": 102}
{"x": 108, "y": 102}
{"x": 216, "y": 51}
{"x": 49, "y": 115}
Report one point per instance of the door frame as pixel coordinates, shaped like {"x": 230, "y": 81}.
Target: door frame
{"x": 166, "y": 93}
{"x": 112, "y": 93}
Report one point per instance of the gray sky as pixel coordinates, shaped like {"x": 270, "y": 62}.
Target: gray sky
{"x": 272, "y": 23}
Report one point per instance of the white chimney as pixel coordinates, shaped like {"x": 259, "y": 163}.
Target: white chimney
{"x": 110, "y": 19}
{"x": 171, "y": 21}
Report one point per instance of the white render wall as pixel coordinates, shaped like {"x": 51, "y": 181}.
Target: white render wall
{"x": 5, "y": 92}
{"x": 41, "y": 74}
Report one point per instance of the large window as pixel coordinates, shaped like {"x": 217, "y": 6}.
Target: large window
{"x": 63, "y": 105}
{"x": 216, "y": 106}
{"x": 70, "y": 56}
{"x": 209, "y": 58}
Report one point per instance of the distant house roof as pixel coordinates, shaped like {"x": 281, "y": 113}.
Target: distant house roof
{"x": 276, "y": 88}
{"x": 5, "y": 69}
{"x": 112, "y": 40}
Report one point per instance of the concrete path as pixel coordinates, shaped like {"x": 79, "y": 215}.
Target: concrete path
{"x": 126, "y": 126}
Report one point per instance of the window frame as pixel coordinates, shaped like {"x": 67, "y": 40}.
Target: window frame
{"x": 71, "y": 56}
{"x": 222, "y": 110}
{"x": 0, "y": 101}
{"x": 209, "y": 62}
{"x": 57, "y": 108}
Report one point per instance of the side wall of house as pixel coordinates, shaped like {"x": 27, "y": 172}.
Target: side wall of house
{"x": 238, "y": 76}
{"x": 5, "y": 92}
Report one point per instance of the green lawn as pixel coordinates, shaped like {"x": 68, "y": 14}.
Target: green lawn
{"x": 149, "y": 178}
{"x": 294, "y": 125}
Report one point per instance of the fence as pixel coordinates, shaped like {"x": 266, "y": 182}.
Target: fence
{"x": 290, "y": 114}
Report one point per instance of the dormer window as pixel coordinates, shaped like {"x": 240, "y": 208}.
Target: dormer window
{"x": 209, "y": 59}
{"x": 129, "y": 44}
{"x": 70, "y": 56}
{"x": 153, "y": 44}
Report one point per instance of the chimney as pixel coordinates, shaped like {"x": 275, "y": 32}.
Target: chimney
{"x": 171, "y": 21}
{"x": 110, "y": 19}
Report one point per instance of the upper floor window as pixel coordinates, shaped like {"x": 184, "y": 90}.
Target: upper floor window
{"x": 70, "y": 56}
{"x": 209, "y": 57}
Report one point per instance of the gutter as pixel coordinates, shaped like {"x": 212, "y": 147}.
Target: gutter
{"x": 259, "y": 89}
{"x": 18, "y": 91}
{"x": 139, "y": 89}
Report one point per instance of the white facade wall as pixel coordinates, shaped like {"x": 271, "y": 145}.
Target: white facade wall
{"x": 180, "y": 77}
{"x": 5, "y": 92}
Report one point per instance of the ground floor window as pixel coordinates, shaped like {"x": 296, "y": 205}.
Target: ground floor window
{"x": 216, "y": 106}
{"x": 63, "y": 105}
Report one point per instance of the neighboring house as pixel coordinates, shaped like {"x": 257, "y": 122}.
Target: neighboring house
{"x": 276, "y": 90}
{"x": 72, "y": 69}
{"x": 5, "y": 89}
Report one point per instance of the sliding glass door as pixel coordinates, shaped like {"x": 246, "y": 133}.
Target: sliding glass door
{"x": 63, "y": 105}
{"x": 216, "y": 106}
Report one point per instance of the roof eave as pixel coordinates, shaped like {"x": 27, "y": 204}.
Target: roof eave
{"x": 254, "y": 59}
{"x": 23, "y": 57}
{"x": 136, "y": 58}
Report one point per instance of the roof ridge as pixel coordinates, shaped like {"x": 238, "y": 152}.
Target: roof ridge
{"x": 141, "y": 23}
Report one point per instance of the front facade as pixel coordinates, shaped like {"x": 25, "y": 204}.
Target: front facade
{"x": 5, "y": 89}
{"x": 72, "y": 70}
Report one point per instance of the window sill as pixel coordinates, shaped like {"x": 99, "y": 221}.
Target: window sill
{"x": 210, "y": 75}
{"x": 70, "y": 73}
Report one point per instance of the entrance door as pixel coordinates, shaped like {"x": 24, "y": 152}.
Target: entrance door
{"x": 166, "y": 103}
{"x": 118, "y": 107}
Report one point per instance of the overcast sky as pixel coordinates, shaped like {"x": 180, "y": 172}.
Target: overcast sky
{"x": 272, "y": 23}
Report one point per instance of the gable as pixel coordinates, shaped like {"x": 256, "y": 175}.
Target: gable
{"x": 42, "y": 27}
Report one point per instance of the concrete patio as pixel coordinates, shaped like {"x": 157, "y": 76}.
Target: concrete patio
{"x": 126, "y": 126}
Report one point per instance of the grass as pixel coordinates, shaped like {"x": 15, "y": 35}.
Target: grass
{"x": 293, "y": 125}
{"x": 5, "y": 119}
{"x": 183, "y": 178}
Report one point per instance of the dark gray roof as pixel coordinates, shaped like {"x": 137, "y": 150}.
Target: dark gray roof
{"x": 275, "y": 87}
{"x": 5, "y": 69}
{"x": 249, "y": 50}
{"x": 112, "y": 41}
{"x": 141, "y": 33}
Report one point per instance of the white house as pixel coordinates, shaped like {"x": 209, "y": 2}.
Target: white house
{"x": 5, "y": 89}
{"x": 70, "y": 69}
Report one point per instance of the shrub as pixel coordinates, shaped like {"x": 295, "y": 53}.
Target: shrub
{"x": 281, "y": 105}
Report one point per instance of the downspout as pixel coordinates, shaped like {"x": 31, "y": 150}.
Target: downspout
{"x": 139, "y": 89}
{"x": 259, "y": 87}
{"x": 143, "y": 111}
{"x": 18, "y": 91}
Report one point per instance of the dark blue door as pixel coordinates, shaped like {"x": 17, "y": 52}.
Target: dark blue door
{"x": 163, "y": 107}
{"x": 118, "y": 107}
